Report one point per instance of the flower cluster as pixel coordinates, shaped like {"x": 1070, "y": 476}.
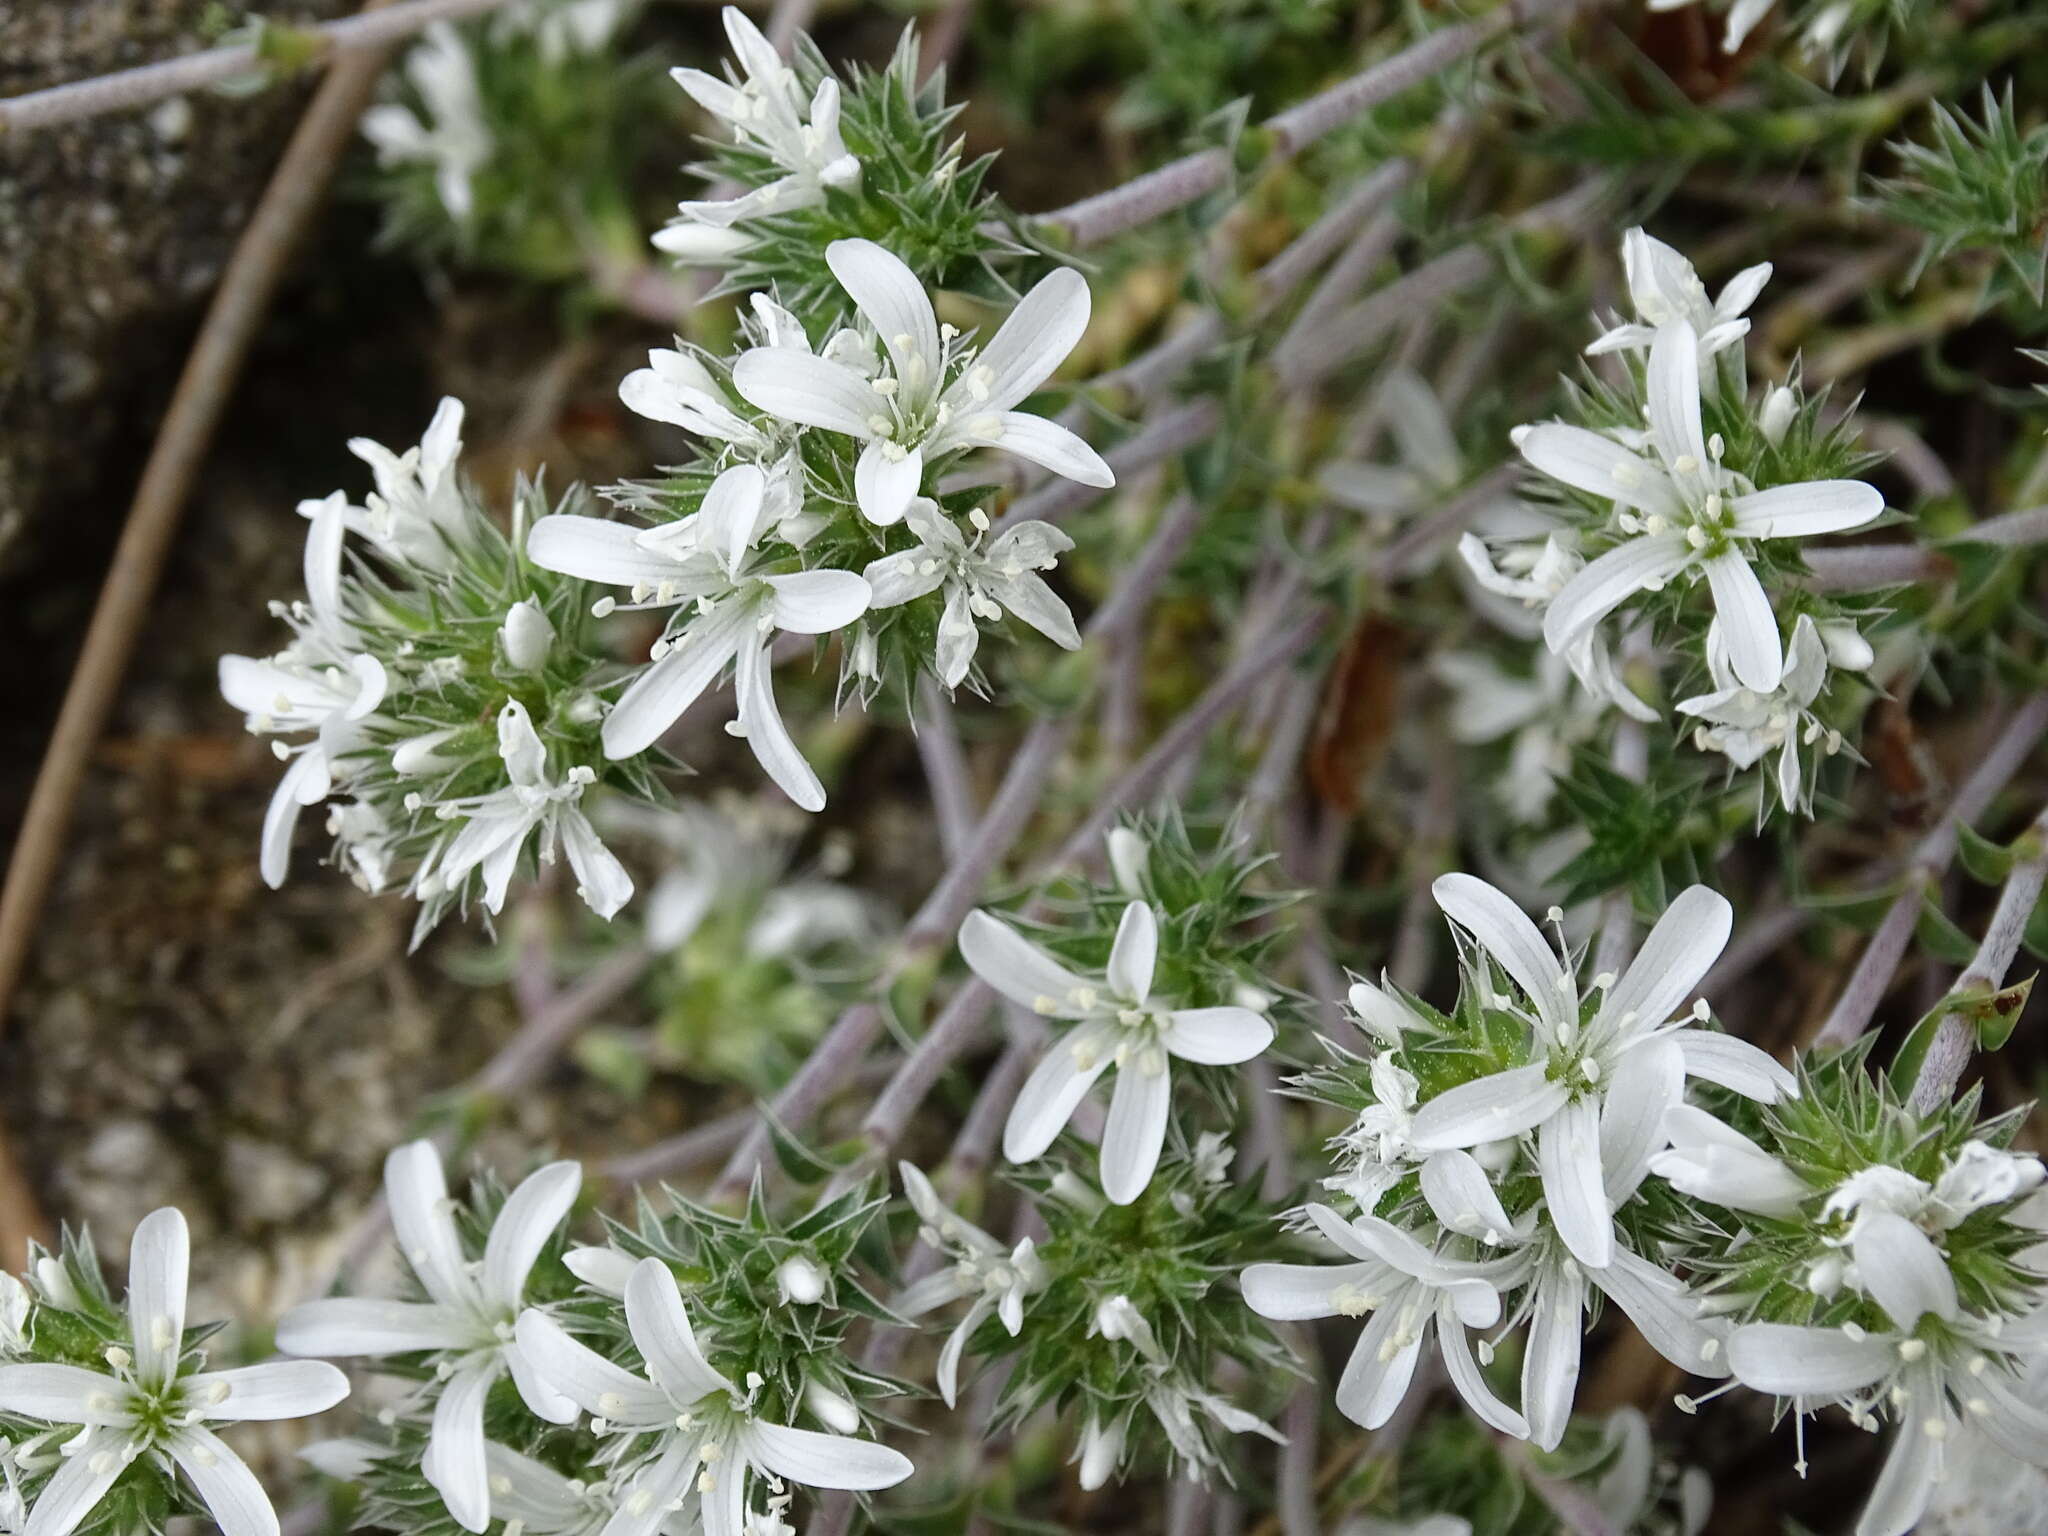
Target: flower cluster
{"x": 1495, "y": 1172}
{"x": 112, "y": 1410}
{"x": 509, "y": 142}
{"x": 1675, "y": 490}
{"x": 660, "y": 1381}
{"x": 439, "y": 691}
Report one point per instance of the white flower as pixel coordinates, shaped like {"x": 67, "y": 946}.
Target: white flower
{"x": 1744, "y": 724}
{"x": 1408, "y": 1290}
{"x": 496, "y": 827}
{"x": 1101, "y": 1448}
{"x": 1689, "y": 516}
{"x": 1430, "y": 468}
{"x": 1667, "y": 291}
{"x": 980, "y": 583}
{"x": 735, "y": 857}
{"x": 1545, "y": 715}
{"x": 1531, "y": 1253}
{"x": 1174, "y": 1402}
{"x": 998, "y": 1280}
{"x": 1979, "y": 1175}
{"x": 927, "y": 394}
{"x": 1119, "y": 1023}
{"x": 1626, "y": 1064}
{"x": 1743, "y": 16}
{"x": 458, "y": 144}
{"x": 708, "y": 1442}
{"x": 467, "y": 1320}
{"x": 146, "y": 1404}
{"x": 321, "y": 683}
{"x": 417, "y": 514}
{"x": 1535, "y": 574}
{"x": 1712, "y": 1161}
{"x": 530, "y": 1496}
{"x": 560, "y": 27}
{"x": 709, "y": 560}
{"x": 765, "y": 107}
{"x": 1941, "y": 1373}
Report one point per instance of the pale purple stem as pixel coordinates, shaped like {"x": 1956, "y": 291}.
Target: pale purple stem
{"x": 1863, "y": 567}
{"x": 945, "y": 768}
{"x": 1872, "y": 977}
{"x": 129, "y": 89}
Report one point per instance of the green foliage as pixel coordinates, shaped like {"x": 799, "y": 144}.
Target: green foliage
{"x": 1978, "y": 186}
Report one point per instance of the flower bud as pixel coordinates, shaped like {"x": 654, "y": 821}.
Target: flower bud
{"x": 1129, "y": 858}
{"x": 832, "y": 1409}
{"x": 418, "y": 755}
{"x": 1780, "y": 406}
{"x": 1101, "y": 1449}
{"x": 528, "y": 636}
{"x": 799, "y": 1280}
{"x": 1847, "y": 650}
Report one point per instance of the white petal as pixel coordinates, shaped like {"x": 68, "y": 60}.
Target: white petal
{"x": 888, "y": 293}
{"x": 1461, "y": 1195}
{"x": 534, "y": 1389}
{"x": 1290, "y": 1293}
{"x": 594, "y": 549}
{"x": 885, "y": 478}
{"x": 1902, "y": 1269}
{"x": 1385, "y": 1017}
{"x": 592, "y": 1382}
{"x": 1609, "y": 582}
{"x": 766, "y": 734}
{"x": 602, "y": 1269}
{"x": 1906, "y": 1481}
{"x": 1134, "y": 953}
{"x": 1747, "y": 623}
{"x": 646, "y": 1505}
{"x": 1056, "y": 1085}
{"x": 454, "y": 1461}
{"x": 529, "y": 1218}
{"x": 1597, "y": 465}
{"x": 1808, "y": 1362}
{"x": 661, "y": 1328}
{"x": 948, "y": 1373}
{"x": 1550, "y": 1369}
{"x": 1044, "y": 327}
{"x": 308, "y": 772}
{"x": 818, "y": 602}
{"x": 1568, "y": 1150}
{"x": 825, "y": 1461}
{"x": 1466, "y": 1376}
{"x": 1490, "y": 1108}
{"x": 601, "y": 880}
{"x": 1220, "y": 1037}
{"x": 812, "y": 391}
{"x": 1050, "y": 444}
{"x": 1648, "y": 1081}
{"x": 278, "y": 1389}
{"x": 60, "y": 1394}
{"x": 1020, "y": 970}
{"x": 1688, "y": 939}
{"x": 342, "y": 1326}
{"x": 1505, "y": 932}
{"x": 417, "y": 1193}
{"x": 1664, "y": 1312}
{"x": 658, "y": 696}
{"x": 1136, "y": 1130}
{"x": 159, "y": 1265}
{"x": 1801, "y": 511}
{"x": 1030, "y": 599}
{"x": 224, "y": 1483}
{"x": 1736, "y": 1065}
{"x": 74, "y": 1492}
{"x": 1377, "y": 1375}
{"x": 902, "y": 577}
{"x": 1673, "y": 379}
